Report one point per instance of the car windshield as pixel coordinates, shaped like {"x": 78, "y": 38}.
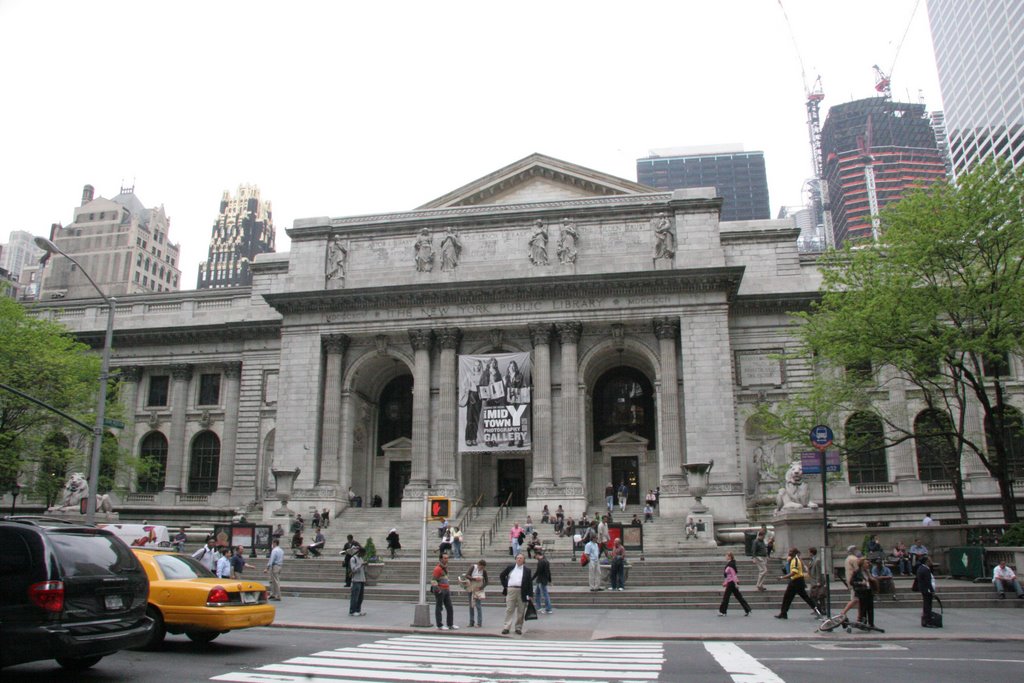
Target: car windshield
{"x": 182, "y": 567}
{"x": 91, "y": 553}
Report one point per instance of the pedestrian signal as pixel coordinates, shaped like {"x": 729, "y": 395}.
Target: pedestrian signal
{"x": 440, "y": 507}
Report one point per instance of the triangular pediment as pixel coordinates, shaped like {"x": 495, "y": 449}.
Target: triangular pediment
{"x": 400, "y": 444}
{"x": 623, "y": 439}
{"x": 538, "y": 178}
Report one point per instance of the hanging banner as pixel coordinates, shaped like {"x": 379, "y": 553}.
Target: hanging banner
{"x": 494, "y": 402}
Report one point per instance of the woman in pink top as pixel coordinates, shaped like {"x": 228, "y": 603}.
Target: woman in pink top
{"x": 515, "y": 537}
{"x": 731, "y": 583}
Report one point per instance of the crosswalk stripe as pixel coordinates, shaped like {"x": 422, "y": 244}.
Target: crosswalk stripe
{"x": 415, "y": 659}
{"x": 741, "y": 666}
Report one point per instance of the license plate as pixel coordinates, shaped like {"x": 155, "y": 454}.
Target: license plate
{"x": 249, "y": 598}
{"x": 114, "y": 602}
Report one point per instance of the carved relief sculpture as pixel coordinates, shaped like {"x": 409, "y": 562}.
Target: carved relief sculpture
{"x": 424, "y": 251}
{"x": 539, "y": 244}
{"x": 336, "y": 254}
{"x": 568, "y": 242}
{"x": 451, "y": 248}
{"x": 665, "y": 237}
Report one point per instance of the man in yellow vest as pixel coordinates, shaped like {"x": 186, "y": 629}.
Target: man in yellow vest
{"x": 797, "y": 585}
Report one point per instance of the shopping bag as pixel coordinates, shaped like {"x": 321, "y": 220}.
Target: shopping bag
{"x": 531, "y": 611}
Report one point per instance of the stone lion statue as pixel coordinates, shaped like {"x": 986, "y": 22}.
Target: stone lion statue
{"x": 794, "y": 495}
{"x": 76, "y": 490}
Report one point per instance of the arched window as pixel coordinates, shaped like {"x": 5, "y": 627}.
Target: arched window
{"x": 1013, "y": 440}
{"x": 935, "y": 453}
{"x": 865, "y": 441}
{"x": 204, "y": 463}
{"x": 153, "y": 454}
{"x": 624, "y": 402}
{"x": 395, "y": 419}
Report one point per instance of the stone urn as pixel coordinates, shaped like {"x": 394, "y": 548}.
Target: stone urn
{"x": 697, "y": 474}
{"x": 285, "y": 480}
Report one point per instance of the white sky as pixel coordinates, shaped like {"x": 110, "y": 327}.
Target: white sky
{"x": 343, "y": 108}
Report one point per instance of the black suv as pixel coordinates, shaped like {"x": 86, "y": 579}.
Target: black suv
{"x": 68, "y": 592}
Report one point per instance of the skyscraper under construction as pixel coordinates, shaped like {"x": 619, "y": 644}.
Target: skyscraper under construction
{"x": 874, "y": 150}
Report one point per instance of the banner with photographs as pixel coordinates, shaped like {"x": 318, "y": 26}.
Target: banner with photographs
{"x": 494, "y": 402}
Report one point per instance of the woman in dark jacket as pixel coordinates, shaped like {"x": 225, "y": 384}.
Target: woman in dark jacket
{"x": 731, "y": 583}
{"x": 393, "y": 544}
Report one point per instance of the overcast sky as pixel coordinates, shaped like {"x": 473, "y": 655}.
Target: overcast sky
{"x": 342, "y": 108}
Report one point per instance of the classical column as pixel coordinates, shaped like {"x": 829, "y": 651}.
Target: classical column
{"x": 177, "y": 476}
{"x": 334, "y": 346}
{"x": 345, "y": 445}
{"x": 669, "y": 442}
{"x": 902, "y": 460}
{"x": 572, "y": 462}
{"x": 445, "y": 473}
{"x": 540, "y": 335}
{"x": 229, "y": 440}
{"x": 421, "y": 341}
{"x": 974, "y": 419}
{"x": 130, "y": 376}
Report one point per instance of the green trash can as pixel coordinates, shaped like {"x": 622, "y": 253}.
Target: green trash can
{"x": 967, "y": 562}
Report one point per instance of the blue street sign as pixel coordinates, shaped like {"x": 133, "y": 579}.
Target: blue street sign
{"x": 821, "y": 436}
{"x": 810, "y": 461}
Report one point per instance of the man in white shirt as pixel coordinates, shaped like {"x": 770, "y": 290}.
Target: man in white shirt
{"x": 927, "y": 521}
{"x": 517, "y": 585}
{"x": 593, "y": 551}
{"x": 207, "y": 555}
{"x": 224, "y": 563}
{"x": 273, "y": 567}
{"x": 1003, "y": 577}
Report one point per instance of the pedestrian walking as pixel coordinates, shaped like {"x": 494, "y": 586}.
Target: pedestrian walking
{"x": 797, "y": 585}
{"x": 457, "y": 543}
{"x": 274, "y": 564}
{"x": 223, "y": 570}
{"x": 517, "y": 586}
{"x": 394, "y": 544}
{"x": 623, "y": 494}
{"x": 207, "y": 555}
{"x": 442, "y": 590}
{"x": 760, "y": 553}
{"x": 541, "y": 580}
{"x": 238, "y": 563}
{"x": 358, "y": 566}
{"x": 731, "y": 584}
{"x": 925, "y": 583}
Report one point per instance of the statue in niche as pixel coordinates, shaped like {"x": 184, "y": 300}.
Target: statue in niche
{"x": 539, "y": 244}
{"x": 665, "y": 236}
{"x": 336, "y": 253}
{"x": 424, "y": 251}
{"x": 451, "y": 249}
{"x": 568, "y": 242}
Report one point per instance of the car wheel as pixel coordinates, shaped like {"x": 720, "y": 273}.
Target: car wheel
{"x": 202, "y": 636}
{"x": 77, "y": 663}
{"x": 156, "y": 636}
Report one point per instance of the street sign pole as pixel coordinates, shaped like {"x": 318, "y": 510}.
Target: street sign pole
{"x": 821, "y": 439}
{"x": 421, "y": 616}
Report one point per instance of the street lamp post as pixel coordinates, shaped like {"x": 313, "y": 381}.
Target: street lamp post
{"x": 15, "y": 490}
{"x": 101, "y": 401}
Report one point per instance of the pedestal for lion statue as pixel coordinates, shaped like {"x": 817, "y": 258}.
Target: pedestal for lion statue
{"x": 70, "y": 505}
{"x": 797, "y": 519}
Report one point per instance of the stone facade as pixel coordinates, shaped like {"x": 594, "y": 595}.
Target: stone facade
{"x": 315, "y": 370}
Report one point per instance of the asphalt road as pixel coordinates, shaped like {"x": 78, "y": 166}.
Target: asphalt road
{"x": 285, "y": 655}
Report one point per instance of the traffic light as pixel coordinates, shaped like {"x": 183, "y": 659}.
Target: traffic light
{"x": 440, "y": 507}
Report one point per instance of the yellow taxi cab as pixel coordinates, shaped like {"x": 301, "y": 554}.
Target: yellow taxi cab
{"x": 185, "y": 597}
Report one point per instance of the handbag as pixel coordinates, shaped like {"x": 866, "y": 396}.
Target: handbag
{"x": 584, "y": 559}
{"x": 531, "y": 611}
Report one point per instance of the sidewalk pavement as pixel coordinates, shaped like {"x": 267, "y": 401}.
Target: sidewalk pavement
{"x": 585, "y": 624}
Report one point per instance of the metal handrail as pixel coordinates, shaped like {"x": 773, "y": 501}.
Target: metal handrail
{"x": 499, "y": 515}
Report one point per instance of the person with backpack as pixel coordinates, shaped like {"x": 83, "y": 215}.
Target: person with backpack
{"x": 207, "y": 555}
{"x": 797, "y": 585}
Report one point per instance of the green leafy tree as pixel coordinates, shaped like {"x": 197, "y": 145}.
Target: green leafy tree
{"x": 934, "y": 310}
{"x": 41, "y": 359}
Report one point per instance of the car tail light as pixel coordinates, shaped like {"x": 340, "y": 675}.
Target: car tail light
{"x": 48, "y": 594}
{"x": 217, "y": 595}
{"x": 264, "y": 596}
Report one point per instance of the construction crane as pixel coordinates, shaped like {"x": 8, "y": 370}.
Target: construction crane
{"x": 882, "y": 82}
